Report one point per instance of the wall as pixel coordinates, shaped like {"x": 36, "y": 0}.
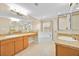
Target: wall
{"x": 3, "y": 7}
{"x": 36, "y": 25}
{"x": 4, "y": 25}
{"x": 55, "y": 28}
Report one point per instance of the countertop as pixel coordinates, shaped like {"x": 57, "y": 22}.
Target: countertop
{"x": 68, "y": 43}
{"x": 4, "y": 37}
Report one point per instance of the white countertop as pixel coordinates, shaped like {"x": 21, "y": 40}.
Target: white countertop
{"x": 15, "y": 35}
{"x": 68, "y": 43}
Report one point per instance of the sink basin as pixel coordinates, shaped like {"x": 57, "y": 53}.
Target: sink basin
{"x": 66, "y": 38}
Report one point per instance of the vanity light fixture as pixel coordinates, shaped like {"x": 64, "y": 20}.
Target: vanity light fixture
{"x": 15, "y": 19}
{"x": 18, "y": 9}
{"x": 74, "y": 6}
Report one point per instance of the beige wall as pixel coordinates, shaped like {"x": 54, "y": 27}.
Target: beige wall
{"x": 55, "y": 28}
{"x": 4, "y": 25}
{"x": 3, "y": 7}
{"x": 36, "y": 25}
{"x": 4, "y": 20}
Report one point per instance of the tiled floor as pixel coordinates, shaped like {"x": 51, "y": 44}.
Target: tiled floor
{"x": 39, "y": 49}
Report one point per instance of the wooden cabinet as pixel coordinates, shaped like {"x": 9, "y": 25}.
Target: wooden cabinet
{"x": 63, "y": 50}
{"x": 3, "y": 48}
{"x": 10, "y": 47}
{"x": 7, "y": 47}
{"x": 25, "y": 42}
{"x": 18, "y": 44}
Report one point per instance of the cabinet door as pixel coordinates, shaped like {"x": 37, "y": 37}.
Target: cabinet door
{"x": 26, "y": 42}
{"x": 10, "y": 48}
{"x": 3, "y": 48}
{"x": 18, "y": 44}
{"x": 62, "y": 50}
{"x": 7, "y": 47}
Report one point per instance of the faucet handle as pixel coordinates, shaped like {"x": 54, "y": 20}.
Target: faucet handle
{"x": 77, "y": 37}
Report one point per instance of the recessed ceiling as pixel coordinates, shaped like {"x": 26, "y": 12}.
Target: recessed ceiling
{"x": 44, "y": 10}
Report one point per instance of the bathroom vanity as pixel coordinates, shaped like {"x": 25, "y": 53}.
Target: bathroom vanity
{"x": 12, "y": 44}
{"x": 66, "y": 49}
{"x": 67, "y": 45}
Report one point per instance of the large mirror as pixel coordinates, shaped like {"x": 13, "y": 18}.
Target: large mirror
{"x": 75, "y": 21}
{"x": 69, "y": 22}
{"x": 64, "y": 22}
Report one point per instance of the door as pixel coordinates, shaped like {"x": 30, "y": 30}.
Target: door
{"x": 46, "y": 31}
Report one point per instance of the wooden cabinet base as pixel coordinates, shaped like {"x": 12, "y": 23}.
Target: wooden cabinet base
{"x": 63, "y": 50}
{"x": 12, "y": 46}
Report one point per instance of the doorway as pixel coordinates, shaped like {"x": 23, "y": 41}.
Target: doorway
{"x": 46, "y": 33}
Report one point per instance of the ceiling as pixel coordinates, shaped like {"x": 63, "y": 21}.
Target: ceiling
{"x": 38, "y": 10}
{"x": 45, "y": 10}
